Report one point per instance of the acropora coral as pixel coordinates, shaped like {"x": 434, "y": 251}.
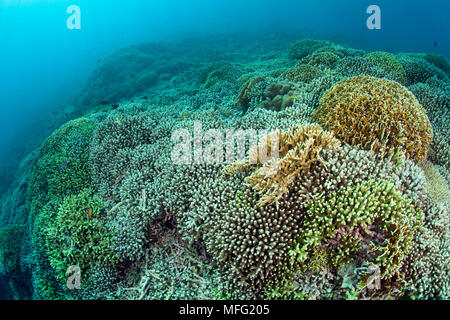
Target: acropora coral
{"x": 378, "y": 114}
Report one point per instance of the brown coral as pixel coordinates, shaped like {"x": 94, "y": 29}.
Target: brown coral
{"x": 378, "y": 114}
{"x": 303, "y": 73}
{"x": 299, "y": 148}
{"x": 244, "y": 97}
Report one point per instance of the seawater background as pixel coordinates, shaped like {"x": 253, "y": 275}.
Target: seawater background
{"x": 43, "y": 65}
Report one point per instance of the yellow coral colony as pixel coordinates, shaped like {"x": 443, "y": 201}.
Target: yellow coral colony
{"x": 299, "y": 148}
{"x": 378, "y": 114}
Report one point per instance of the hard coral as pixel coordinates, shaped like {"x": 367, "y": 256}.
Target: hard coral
{"x": 378, "y": 114}
{"x": 61, "y": 166}
{"x": 303, "y": 73}
{"x": 305, "y": 47}
{"x": 371, "y": 223}
{"x": 299, "y": 148}
{"x": 388, "y": 62}
{"x": 420, "y": 70}
{"x": 77, "y": 236}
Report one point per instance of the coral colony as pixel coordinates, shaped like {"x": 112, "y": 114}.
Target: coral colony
{"x": 307, "y": 170}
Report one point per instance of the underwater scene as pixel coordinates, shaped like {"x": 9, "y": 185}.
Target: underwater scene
{"x": 224, "y": 150}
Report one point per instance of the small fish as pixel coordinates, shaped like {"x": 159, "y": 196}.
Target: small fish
{"x": 64, "y": 165}
{"x": 90, "y": 213}
{"x": 294, "y": 96}
{"x": 78, "y": 141}
{"x": 74, "y": 248}
{"x": 120, "y": 118}
{"x": 436, "y": 44}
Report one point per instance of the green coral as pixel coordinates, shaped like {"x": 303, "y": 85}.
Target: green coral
{"x": 303, "y": 73}
{"x": 60, "y": 169}
{"x": 10, "y": 245}
{"x": 325, "y": 58}
{"x": 306, "y": 47}
{"x": 45, "y": 284}
{"x": 439, "y": 61}
{"x": 388, "y": 62}
{"x": 420, "y": 70}
{"x": 61, "y": 166}
{"x": 77, "y": 235}
{"x": 371, "y": 222}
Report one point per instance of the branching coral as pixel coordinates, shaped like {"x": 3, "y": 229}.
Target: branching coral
{"x": 427, "y": 266}
{"x": 218, "y": 72}
{"x": 370, "y": 221}
{"x": 77, "y": 235}
{"x": 303, "y": 73}
{"x": 245, "y": 95}
{"x": 378, "y": 114}
{"x": 327, "y": 59}
{"x": 419, "y": 70}
{"x": 436, "y": 184}
{"x": 439, "y": 61}
{"x": 299, "y": 148}
{"x": 388, "y": 62}
{"x": 61, "y": 166}
{"x": 355, "y": 66}
{"x": 112, "y": 149}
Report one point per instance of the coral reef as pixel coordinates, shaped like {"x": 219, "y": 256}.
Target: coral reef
{"x": 419, "y": 70}
{"x": 350, "y": 201}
